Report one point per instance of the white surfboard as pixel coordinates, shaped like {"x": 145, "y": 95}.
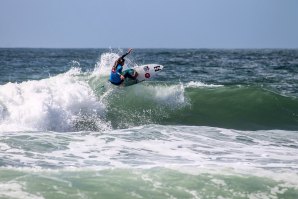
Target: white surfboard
{"x": 145, "y": 72}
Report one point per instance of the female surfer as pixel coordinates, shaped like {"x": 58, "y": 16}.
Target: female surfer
{"x": 117, "y": 76}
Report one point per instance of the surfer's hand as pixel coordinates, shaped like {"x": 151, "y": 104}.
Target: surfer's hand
{"x": 129, "y": 50}
{"x": 121, "y": 77}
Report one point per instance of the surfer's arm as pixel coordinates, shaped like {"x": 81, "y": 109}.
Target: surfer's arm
{"x": 119, "y": 71}
{"x": 121, "y": 76}
{"x": 129, "y": 50}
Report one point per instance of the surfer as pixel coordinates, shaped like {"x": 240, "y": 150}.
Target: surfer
{"x": 117, "y": 76}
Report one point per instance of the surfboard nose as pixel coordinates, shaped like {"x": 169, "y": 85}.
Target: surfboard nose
{"x": 157, "y": 67}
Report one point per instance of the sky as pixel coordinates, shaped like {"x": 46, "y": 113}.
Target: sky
{"x": 149, "y": 23}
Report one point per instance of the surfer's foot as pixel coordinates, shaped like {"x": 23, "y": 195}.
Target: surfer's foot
{"x": 135, "y": 74}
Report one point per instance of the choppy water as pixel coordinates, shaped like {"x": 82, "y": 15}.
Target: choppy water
{"x": 213, "y": 124}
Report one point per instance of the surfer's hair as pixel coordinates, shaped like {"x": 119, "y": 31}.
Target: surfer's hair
{"x": 121, "y": 60}
{"x": 118, "y": 61}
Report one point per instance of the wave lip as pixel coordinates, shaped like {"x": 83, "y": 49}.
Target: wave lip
{"x": 196, "y": 84}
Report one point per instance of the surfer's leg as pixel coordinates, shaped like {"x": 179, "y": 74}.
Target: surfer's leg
{"x": 130, "y": 73}
{"x": 135, "y": 74}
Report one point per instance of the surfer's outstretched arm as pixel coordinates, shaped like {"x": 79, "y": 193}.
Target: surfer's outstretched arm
{"x": 129, "y": 50}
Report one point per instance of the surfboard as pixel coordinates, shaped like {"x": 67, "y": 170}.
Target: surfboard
{"x": 145, "y": 73}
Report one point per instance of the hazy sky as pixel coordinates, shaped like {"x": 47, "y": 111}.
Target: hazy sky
{"x": 149, "y": 23}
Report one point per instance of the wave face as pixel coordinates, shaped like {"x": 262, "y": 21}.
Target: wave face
{"x": 245, "y": 108}
{"x": 213, "y": 124}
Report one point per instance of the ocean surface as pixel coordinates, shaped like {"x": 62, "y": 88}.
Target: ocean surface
{"x": 214, "y": 124}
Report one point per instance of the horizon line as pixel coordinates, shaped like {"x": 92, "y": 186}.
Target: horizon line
{"x": 169, "y": 48}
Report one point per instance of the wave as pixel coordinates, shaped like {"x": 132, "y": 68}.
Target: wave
{"x": 244, "y": 108}
{"x": 76, "y": 100}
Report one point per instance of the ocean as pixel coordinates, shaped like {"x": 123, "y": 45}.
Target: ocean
{"x": 215, "y": 123}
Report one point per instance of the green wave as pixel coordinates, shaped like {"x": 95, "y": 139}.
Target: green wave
{"x": 236, "y": 107}
{"x": 247, "y": 108}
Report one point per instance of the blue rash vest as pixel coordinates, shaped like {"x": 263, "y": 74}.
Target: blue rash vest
{"x": 115, "y": 75}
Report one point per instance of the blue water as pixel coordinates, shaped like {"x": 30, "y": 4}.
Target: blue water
{"x": 213, "y": 124}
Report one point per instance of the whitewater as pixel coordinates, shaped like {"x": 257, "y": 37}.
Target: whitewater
{"x": 213, "y": 124}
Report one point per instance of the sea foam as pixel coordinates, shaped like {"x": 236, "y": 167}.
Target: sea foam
{"x": 55, "y": 103}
